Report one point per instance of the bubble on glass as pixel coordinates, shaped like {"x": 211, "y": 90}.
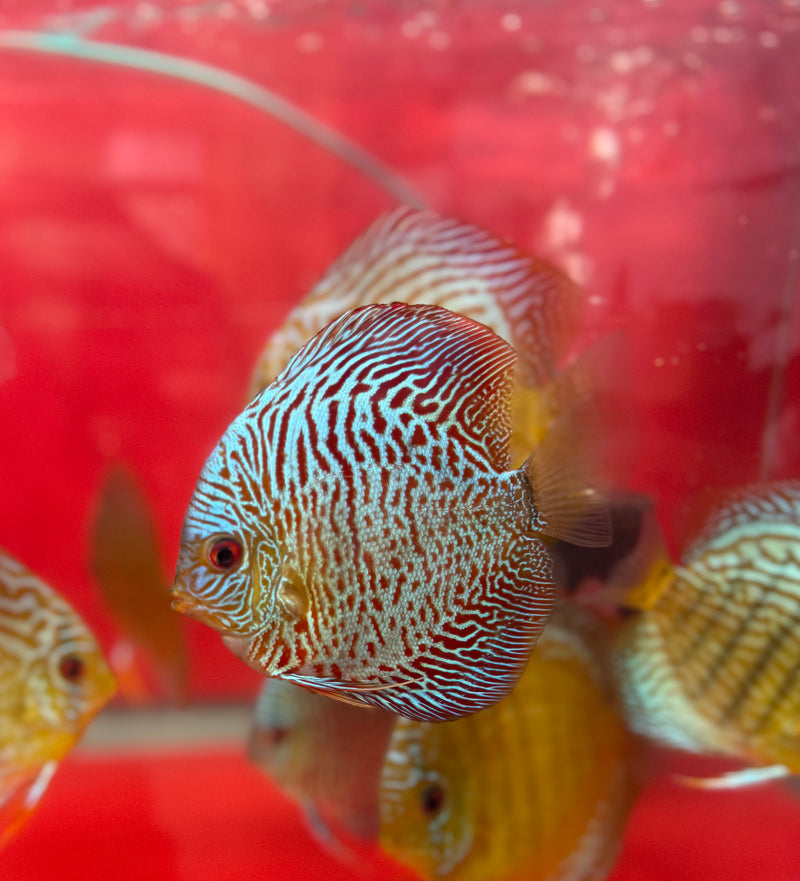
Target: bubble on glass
{"x": 563, "y": 225}
{"x": 309, "y": 42}
{"x": 699, "y": 34}
{"x": 658, "y": 362}
{"x": 730, "y": 10}
{"x": 8, "y": 355}
{"x": 257, "y": 8}
{"x": 411, "y": 28}
{"x": 604, "y": 145}
{"x": 671, "y": 128}
{"x": 723, "y": 35}
{"x": 534, "y": 82}
{"x": 621, "y": 62}
{"x": 439, "y": 40}
{"x": 585, "y": 53}
{"x": 768, "y": 39}
{"x": 511, "y": 22}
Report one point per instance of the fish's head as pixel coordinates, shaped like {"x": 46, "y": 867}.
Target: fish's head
{"x": 233, "y": 570}
{"x": 427, "y": 797}
{"x": 60, "y": 688}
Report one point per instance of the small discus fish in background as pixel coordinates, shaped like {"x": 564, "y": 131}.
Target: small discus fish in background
{"x": 126, "y": 565}
{"x": 358, "y": 529}
{"x": 710, "y": 663}
{"x": 53, "y": 680}
{"x": 324, "y": 753}
{"x": 536, "y": 788}
{"x": 418, "y": 257}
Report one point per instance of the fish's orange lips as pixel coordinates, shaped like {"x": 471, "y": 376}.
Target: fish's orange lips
{"x": 190, "y": 607}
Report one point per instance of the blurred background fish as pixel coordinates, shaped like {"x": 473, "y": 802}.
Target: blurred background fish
{"x": 126, "y": 563}
{"x": 53, "y": 680}
{"x": 710, "y": 662}
{"x": 325, "y": 753}
{"x": 418, "y": 257}
{"x": 537, "y": 787}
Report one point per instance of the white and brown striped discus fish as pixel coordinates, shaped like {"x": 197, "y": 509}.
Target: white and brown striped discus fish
{"x": 418, "y": 257}
{"x": 358, "y": 530}
{"x": 53, "y": 679}
{"x": 711, "y": 663}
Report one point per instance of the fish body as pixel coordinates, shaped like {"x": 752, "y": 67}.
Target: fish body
{"x": 710, "y": 663}
{"x": 126, "y": 564}
{"x": 418, "y": 257}
{"x": 358, "y": 530}
{"x": 324, "y": 753}
{"x": 53, "y": 680}
{"x": 535, "y": 788}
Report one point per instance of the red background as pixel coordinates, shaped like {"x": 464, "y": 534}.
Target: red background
{"x": 153, "y": 233}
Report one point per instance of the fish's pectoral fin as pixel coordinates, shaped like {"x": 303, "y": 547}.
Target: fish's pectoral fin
{"x": 568, "y": 505}
{"x": 736, "y": 779}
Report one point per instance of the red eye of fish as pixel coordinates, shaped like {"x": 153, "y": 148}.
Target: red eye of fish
{"x": 225, "y": 553}
{"x": 432, "y": 799}
{"x": 72, "y": 668}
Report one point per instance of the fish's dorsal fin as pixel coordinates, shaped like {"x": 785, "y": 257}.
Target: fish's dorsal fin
{"x": 419, "y": 257}
{"x": 420, "y": 366}
{"x": 748, "y": 505}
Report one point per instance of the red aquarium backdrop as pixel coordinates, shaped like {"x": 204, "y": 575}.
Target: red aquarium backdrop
{"x": 175, "y": 176}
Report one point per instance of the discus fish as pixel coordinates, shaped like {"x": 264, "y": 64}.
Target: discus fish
{"x": 357, "y": 529}
{"x": 324, "y": 753}
{"x": 53, "y": 680}
{"x": 126, "y": 564}
{"x": 711, "y": 662}
{"x": 536, "y": 787}
{"x": 418, "y": 257}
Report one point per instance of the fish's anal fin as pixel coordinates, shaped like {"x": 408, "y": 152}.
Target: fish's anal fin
{"x": 568, "y": 506}
{"x": 24, "y": 801}
{"x": 736, "y": 779}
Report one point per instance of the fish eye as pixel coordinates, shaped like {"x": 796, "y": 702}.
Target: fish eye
{"x": 72, "y": 667}
{"x": 224, "y": 552}
{"x": 431, "y": 799}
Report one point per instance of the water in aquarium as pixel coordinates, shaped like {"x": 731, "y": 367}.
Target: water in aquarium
{"x": 399, "y": 460}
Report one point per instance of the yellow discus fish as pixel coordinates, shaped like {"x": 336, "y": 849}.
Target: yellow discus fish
{"x": 711, "y": 663}
{"x": 53, "y": 680}
{"x": 537, "y": 787}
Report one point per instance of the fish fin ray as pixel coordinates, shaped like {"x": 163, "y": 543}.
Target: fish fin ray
{"x": 736, "y": 779}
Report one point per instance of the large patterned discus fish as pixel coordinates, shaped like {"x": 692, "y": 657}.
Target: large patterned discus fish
{"x": 417, "y": 257}
{"x": 536, "y": 787}
{"x": 711, "y": 663}
{"x": 53, "y": 680}
{"x": 357, "y": 529}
